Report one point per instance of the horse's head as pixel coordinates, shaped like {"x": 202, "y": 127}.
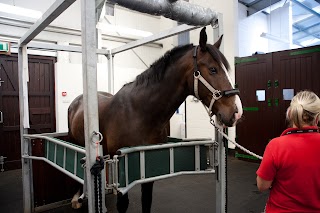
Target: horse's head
{"x": 212, "y": 84}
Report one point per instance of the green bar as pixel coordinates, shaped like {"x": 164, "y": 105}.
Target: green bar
{"x": 122, "y": 175}
{"x": 157, "y": 162}
{"x": 237, "y": 155}
{"x": 250, "y": 109}
{"x": 301, "y": 52}
{"x": 184, "y": 159}
{"x": 244, "y": 60}
{"x": 133, "y": 166}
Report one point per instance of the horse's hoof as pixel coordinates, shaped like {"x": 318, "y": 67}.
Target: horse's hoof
{"x": 75, "y": 204}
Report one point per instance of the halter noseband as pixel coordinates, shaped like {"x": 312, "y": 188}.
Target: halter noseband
{"x": 216, "y": 94}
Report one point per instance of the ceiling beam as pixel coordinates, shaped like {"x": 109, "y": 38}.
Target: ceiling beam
{"x": 310, "y": 10}
{"x": 51, "y": 14}
{"x": 259, "y": 5}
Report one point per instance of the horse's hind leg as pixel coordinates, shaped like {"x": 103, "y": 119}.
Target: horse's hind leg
{"x": 122, "y": 202}
{"x": 146, "y": 197}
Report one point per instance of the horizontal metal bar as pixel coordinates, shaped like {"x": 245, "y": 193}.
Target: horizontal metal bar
{"x": 55, "y": 166}
{"x": 67, "y": 48}
{"x": 124, "y": 190}
{"x": 161, "y": 146}
{"x": 162, "y": 35}
{"x": 196, "y": 139}
{"x": 51, "y": 134}
{"x": 51, "y": 14}
{"x": 69, "y": 146}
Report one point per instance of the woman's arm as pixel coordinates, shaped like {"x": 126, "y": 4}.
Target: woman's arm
{"x": 263, "y": 184}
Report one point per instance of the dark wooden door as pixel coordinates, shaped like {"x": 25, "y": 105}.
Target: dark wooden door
{"x": 281, "y": 75}
{"x": 41, "y": 103}
{"x": 253, "y": 78}
{"x": 294, "y": 70}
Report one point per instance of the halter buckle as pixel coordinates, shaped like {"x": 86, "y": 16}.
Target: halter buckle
{"x": 216, "y": 95}
{"x": 196, "y": 74}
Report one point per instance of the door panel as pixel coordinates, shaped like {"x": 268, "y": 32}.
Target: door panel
{"x": 293, "y": 69}
{"x": 41, "y": 103}
{"x": 253, "y": 76}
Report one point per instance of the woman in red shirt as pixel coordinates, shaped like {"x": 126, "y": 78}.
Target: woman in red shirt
{"x": 290, "y": 167}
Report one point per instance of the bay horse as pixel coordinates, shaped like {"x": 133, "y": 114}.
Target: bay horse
{"x": 139, "y": 113}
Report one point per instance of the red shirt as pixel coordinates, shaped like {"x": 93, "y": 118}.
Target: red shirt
{"x": 292, "y": 161}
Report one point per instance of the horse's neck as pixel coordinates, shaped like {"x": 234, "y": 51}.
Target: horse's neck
{"x": 161, "y": 99}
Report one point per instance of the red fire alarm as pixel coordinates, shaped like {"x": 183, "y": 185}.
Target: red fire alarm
{"x": 64, "y": 94}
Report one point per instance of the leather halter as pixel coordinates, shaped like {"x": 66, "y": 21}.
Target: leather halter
{"x": 216, "y": 94}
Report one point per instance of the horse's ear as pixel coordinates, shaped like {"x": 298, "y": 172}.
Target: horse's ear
{"x": 218, "y": 43}
{"x": 203, "y": 39}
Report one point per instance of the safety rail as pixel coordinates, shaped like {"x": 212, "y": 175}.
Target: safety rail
{"x": 132, "y": 165}
{"x": 60, "y": 154}
{"x": 136, "y": 165}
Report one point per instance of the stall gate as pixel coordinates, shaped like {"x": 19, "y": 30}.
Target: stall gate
{"x": 267, "y": 83}
{"x": 131, "y": 166}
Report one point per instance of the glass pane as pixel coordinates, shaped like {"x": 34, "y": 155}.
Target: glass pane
{"x": 261, "y": 95}
{"x": 288, "y": 94}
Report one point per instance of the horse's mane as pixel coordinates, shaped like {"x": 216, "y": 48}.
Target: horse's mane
{"x": 156, "y": 71}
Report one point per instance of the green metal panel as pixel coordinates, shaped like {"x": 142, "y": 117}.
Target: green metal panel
{"x": 157, "y": 162}
{"x": 70, "y": 160}
{"x": 59, "y": 155}
{"x": 133, "y": 166}
{"x": 69, "y": 157}
{"x": 184, "y": 159}
{"x": 51, "y": 151}
{"x": 122, "y": 174}
{"x": 203, "y": 158}
{"x": 80, "y": 170}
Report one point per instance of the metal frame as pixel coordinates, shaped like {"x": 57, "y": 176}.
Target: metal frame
{"x": 142, "y": 149}
{"x": 89, "y": 50}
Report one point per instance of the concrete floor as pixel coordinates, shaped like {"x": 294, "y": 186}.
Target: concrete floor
{"x": 183, "y": 194}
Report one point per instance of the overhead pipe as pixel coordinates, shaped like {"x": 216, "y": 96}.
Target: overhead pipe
{"x": 177, "y": 10}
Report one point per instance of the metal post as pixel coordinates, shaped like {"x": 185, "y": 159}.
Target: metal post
{"x": 110, "y": 73}
{"x": 89, "y": 67}
{"x": 25, "y": 145}
{"x": 221, "y": 170}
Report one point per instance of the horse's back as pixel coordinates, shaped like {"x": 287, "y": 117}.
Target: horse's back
{"x": 76, "y": 116}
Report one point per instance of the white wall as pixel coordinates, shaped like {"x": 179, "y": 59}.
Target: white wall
{"x": 197, "y": 119}
{"x": 281, "y": 26}
{"x": 278, "y": 23}
{"x": 249, "y": 31}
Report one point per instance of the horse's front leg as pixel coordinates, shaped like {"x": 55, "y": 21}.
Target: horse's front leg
{"x": 146, "y": 196}
{"x": 122, "y": 202}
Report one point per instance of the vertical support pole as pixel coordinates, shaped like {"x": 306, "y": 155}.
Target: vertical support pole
{"x": 89, "y": 68}
{"x": 221, "y": 170}
{"x": 184, "y": 38}
{"x": 110, "y": 73}
{"x": 24, "y": 124}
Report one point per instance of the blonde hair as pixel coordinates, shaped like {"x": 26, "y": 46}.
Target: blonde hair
{"x": 304, "y": 109}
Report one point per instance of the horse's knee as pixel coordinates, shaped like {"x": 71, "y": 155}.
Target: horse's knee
{"x": 74, "y": 202}
{"x": 122, "y": 202}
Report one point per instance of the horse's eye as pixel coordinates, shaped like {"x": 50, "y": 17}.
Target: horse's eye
{"x": 213, "y": 70}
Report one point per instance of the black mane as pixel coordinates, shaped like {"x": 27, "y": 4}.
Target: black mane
{"x": 156, "y": 71}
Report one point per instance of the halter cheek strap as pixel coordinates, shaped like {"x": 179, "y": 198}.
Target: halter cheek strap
{"x": 216, "y": 94}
